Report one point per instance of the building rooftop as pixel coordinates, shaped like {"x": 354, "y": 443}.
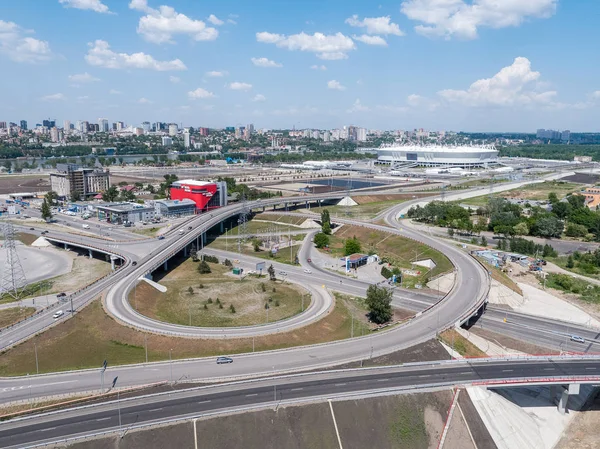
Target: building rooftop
{"x": 191, "y": 182}
{"x": 171, "y": 203}
{"x": 122, "y": 207}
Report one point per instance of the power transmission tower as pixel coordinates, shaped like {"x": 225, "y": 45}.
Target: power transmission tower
{"x": 13, "y": 276}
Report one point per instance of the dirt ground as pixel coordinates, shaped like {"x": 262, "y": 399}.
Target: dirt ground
{"x": 412, "y": 421}
{"x": 14, "y": 315}
{"x": 458, "y": 432}
{"x": 583, "y": 432}
{"x": 480, "y": 433}
{"x": 510, "y": 343}
{"x": 24, "y": 183}
{"x": 84, "y": 271}
{"x": 365, "y": 199}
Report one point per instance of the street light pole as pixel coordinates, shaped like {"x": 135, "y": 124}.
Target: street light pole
{"x": 171, "y": 364}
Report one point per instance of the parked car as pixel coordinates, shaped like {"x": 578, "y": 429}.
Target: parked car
{"x": 44, "y": 232}
{"x": 61, "y": 295}
{"x": 161, "y": 237}
{"x": 58, "y": 314}
{"x": 32, "y": 229}
{"x": 134, "y": 263}
{"x": 309, "y": 260}
{"x": 221, "y": 360}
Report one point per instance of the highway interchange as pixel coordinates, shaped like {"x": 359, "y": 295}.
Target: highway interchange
{"x": 469, "y": 293}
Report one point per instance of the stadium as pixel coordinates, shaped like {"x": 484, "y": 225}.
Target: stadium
{"x": 466, "y": 156}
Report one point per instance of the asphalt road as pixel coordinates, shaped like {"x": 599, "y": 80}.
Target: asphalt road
{"x": 120, "y": 415}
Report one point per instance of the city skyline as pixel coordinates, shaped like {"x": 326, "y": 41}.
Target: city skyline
{"x": 471, "y": 66}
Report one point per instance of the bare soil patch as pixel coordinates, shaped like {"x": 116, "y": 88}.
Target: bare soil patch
{"x": 460, "y": 344}
{"x": 24, "y": 183}
{"x": 14, "y": 315}
{"x": 583, "y": 431}
{"x": 511, "y": 343}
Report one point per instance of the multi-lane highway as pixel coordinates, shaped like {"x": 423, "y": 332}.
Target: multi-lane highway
{"x": 121, "y": 415}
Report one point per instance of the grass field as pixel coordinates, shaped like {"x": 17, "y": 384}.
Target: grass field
{"x": 200, "y": 308}
{"x": 282, "y": 219}
{"x": 149, "y": 232}
{"x": 534, "y": 192}
{"x": 399, "y": 251}
{"x": 282, "y": 256}
{"x": 460, "y": 344}
{"x": 14, "y": 314}
{"x": 91, "y": 337}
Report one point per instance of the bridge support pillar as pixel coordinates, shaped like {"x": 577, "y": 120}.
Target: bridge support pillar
{"x": 148, "y": 276}
{"x": 571, "y": 389}
{"x": 185, "y": 251}
{"x": 286, "y": 207}
{"x": 307, "y": 204}
{"x": 265, "y": 208}
{"x": 66, "y": 246}
{"x": 222, "y": 227}
{"x": 166, "y": 266}
{"x": 90, "y": 253}
{"x": 112, "y": 262}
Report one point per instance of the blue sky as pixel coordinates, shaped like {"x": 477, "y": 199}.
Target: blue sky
{"x": 469, "y": 65}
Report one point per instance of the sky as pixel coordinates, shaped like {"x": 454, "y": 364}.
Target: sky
{"x": 461, "y": 65}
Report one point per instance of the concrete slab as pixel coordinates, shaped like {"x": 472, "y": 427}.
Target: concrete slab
{"x": 490, "y": 348}
{"x": 501, "y": 294}
{"x": 156, "y": 285}
{"x": 40, "y": 263}
{"x": 541, "y": 303}
{"x": 442, "y": 283}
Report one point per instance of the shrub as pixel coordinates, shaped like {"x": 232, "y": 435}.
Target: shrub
{"x": 232, "y": 308}
{"x": 205, "y": 307}
{"x": 385, "y": 272}
{"x": 210, "y": 301}
{"x": 274, "y": 289}
{"x": 277, "y": 303}
{"x": 220, "y": 306}
{"x": 263, "y": 287}
{"x": 190, "y": 290}
{"x": 266, "y": 305}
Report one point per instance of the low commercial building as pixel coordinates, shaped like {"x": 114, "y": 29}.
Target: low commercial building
{"x": 206, "y": 195}
{"x": 71, "y": 178}
{"x": 124, "y": 212}
{"x": 174, "y": 208}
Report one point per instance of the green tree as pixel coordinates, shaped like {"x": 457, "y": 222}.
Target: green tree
{"x": 190, "y": 290}
{"x": 111, "y": 194}
{"x": 484, "y": 241}
{"x": 46, "y": 211}
{"x": 51, "y": 197}
{"x": 127, "y": 195}
{"x": 379, "y": 302}
{"x": 326, "y": 228}
{"x": 552, "y": 198}
{"x": 194, "y": 253}
{"x": 351, "y": 246}
{"x": 203, "y": 268}
{"x": 75, "y": 196}
{"x": 228, "y": 263}
{"x": 576, "y": 230}
{"x": 326, "y": 222}
{"x": 451, "y": 232}
{"x": 271, "y": 272}
{"x": 548, "y": 226}
{"x": 570, "y": 263}
{"x": 321, "y": 240}
{"x": 521, "y": 228}
{"x": 256, "y": 245}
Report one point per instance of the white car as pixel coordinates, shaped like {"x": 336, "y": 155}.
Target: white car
{"x": 307, "y": 271}
{"x": 58, "y": 314}
{"x": 577, "y": 338}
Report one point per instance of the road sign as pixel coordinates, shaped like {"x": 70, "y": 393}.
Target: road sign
{"x": 115, "y": 381}
{"x": 260, "y": 266}
{"x": 104, "y": 365}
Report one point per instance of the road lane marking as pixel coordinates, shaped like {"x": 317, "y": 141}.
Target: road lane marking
{"x": 382, "y": 380}
{"x": 425, "y": 375}
{"x": 250, "y": 395}
{"x": 297, "y": 389}
{"x": 340, "y": 385}
{"x": 204, "y": 402}
{"x": 590, "y": 367}
{"x": 548, "y": 369}
{"x": 103, "y": 419}
{"x": 465, "y": 372}
{"x": 155, "y": 409}
{"x": 507, "y": 370}
{"x": 48, "y": 429}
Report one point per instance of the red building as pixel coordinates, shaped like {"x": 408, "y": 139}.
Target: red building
{"x": 206, "y": 195}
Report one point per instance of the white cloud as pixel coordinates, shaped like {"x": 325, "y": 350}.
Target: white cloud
{"x": 596, "y": 95}
{"x": 101, "y": 55}
{"x": 318, "y": 67}
{"x": 159, "y": 25}
{"x": 513, "y": 85}
{"x": 376, "y": 25}
{"x": 215, "y": 20}
{"x": 199, "y": 94}
{"x": 264, "y": 62}
{"x": 21, "y": 48}
{"x": 370, "y": 40}
{"x": 174, "y": 79}
{"x": 144, "y": 101}
{"x": 414, "y": 100}
{"x": 82, "y": 78}
{"x": 94, "y": 5}
{"x": 240, "y": 86}
{"x": 358, "y": 107}
{"x": 329, "y": 47}
{"x": 259, "y": 97}
{"x": 231, "y": 21}
{"x": 83, "y": 98}
{"x": 53, "y": 97}
{"x": 216, "y": 74}
{"x": 448, "y": 18}
{"x": 335, "y": 85}
{"x": 114, "y": 92}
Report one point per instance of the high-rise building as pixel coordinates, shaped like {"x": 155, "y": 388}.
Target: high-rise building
{"x": 71, "y": 178}
{"x": 173, "y": 129}
{"x": 85, "y": 126}
{"x": 2, "y": 125}
{"x": 120, "y": 126}
{"x": 24, "y": 125}
{"x": 167, "y": 141}
{"x": 203, "y": 131}
{"x": 316, "y": 135}
{"x": 186, "y": 140}
{"x": 146, "y": 126}
{"x": 67, "y": 126}
{"x": 565, "y": 136}
{"x": 361, "y": 135}
{"x": 103, "y": 125}
{"x": 54, "y": 134}
{"x": 49, "y": 123}
{"x": 326, "y": 136}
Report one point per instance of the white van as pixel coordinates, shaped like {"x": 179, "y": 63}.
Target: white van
{"x": 58, "y": 314}
{"x": 85, "y": 226}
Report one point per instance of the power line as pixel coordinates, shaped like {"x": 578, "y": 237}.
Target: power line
{"x": 13, "y": 280}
